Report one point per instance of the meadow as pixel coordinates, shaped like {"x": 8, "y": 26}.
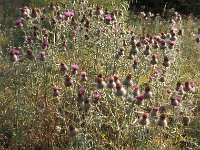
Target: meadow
{"x": 93, "y": 75}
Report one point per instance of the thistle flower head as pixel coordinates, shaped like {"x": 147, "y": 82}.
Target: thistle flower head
{"x": 18, "y": 22}
{"x": 68, "y": 14}
{"x": 74, "y": 68}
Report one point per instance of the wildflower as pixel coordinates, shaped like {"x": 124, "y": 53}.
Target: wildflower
{"x": 124, "y": 43}
{"x": 135, "y": 64}
{"x": 13, "y": 56}
{"x": 173, "y": 37}
{"x": 18, "y": 22}
{"x": 189, "y": 87}
{"x": 83, "y": 76}
{"x": 162, "y": 45}
{"x": 147, "y": 92}
{"x": 171, "y": 45}
{"x": 162, "y": 122}
{"x": 155, "y": 45}
{"x": 97, "y": 97}
{"x": 111, "y": 84}
{"x": 74, "y": 68}
{"x": 68, "y": 14}
{"x": 166, "y": 62}
{"x": 100, "y": 83}
{"x": 116, "y": 78}
{"x": 120, "y": 91}
{"x": 120, "y": 53}
{"x": 56, "y": 91}
{"x": 29, "y": 54}
{"x": 133, "y": 41}
{"x": 86, "y": 105}
{"x": 108, "y": 19}
{"x": 163, "y": 35}
{"x": 136, "y": 90}
{"x": 179, "y": 88}
{"x": 186, "y": 120}
{"x": 197, "y": 39}
{"x": 139, "y": 99}
{"x": 80, "y": 98}
{"x": 25, "y": 12}
{"x": 180, "y": 32}
{"x": 128, "y": 82}
{"x": 154, "y": 111}
{"x": 155, "y": 73}
{"x": 162, "y": 78}
{"x": 68, "y": 81}
{"x": 42, "y": 56}
{"x": 144, "y": 121}
{"x": 63, "y": 67}
{"x": 72, "y": 131}
{"x": 99, "y": 11}
{"x": 174, "y": 102}
{"x": 154, "y": 60}
{"x": 134, "y": 50}
{"x": 147, "y": 50}
{"x": 113, "y": 16}
{"x": 45, "y": 43}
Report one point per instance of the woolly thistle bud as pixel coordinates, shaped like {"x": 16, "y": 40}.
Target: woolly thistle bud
{"x": 166, "y": 62}
{"x": 72, "y": 131}
{"x": 174, "y": 102}
{"x": 147, "y": 51}
{"x": 111, "y": 84}
{"x": 42, "y": 56}
{"x": 144, "y": 121}
{"x": 56, "y": 91}
{"x": 162, "y": 122}
{"x": 100, "y": 83}
{"x": 63, "y": 67}
{"x": 83, "y": 76}
{"x": 154, "y": 60}
{"x": 147, "y": 93}
{"x": 128, "y": 81}
{"x": 29, "y": 54}
{"x": 189, "y": 87}
{"x": 134, "y": 50}
{"x": 155, "y": 111}
{"x": 136, "y": 90}
{"x": 120, "y": 91}
{"x": 139, "y": 99}
{"x": 86, "y": 105}
{"x": 68, "y": 81}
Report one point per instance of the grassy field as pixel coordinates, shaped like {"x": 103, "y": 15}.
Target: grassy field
{"x": 78, "y": 76}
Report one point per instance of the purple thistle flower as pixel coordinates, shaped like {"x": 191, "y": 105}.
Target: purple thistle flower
{"x": 82, "y": 90}
{"x": 18, "y": 22}
{"x": 45, "y": 43}
{"x": 75, "y": 68}
{"x": 83, "y": 74}
{"x": 97, "y": 97}
{"x": 69, "y": 14}
{"x": 108, "y": 18}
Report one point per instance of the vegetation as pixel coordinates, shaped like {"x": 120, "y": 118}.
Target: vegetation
{"x": 80, "y": 76}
